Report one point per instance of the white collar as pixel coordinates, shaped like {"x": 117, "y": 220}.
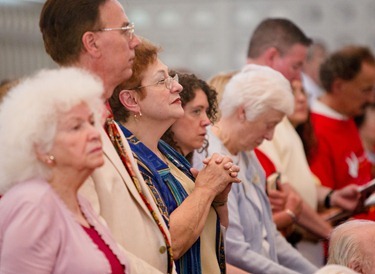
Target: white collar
{"x": 321, "y": 108}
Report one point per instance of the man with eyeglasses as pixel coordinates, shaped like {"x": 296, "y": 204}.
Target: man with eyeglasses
{"x": 97, "y": 36}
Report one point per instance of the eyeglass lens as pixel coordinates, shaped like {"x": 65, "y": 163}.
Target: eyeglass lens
{"x": 169, "y": 81}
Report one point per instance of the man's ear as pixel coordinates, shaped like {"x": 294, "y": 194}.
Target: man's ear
{"x": 90, "y": 43}
{"x": 129, "y": 100}
{"x": 337, "y": 86}
{"x": 270, "y": 55}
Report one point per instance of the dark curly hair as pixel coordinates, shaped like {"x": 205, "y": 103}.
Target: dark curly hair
{"x": 191, "y": 84}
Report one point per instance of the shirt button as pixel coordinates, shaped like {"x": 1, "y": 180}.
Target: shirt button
{"x": 162, "y": 249}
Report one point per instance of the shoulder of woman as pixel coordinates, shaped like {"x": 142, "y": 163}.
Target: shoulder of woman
{"x": 31, "y": 196}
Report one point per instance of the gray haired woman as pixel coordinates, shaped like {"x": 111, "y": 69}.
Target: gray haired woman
{"x": 254, "y": 101}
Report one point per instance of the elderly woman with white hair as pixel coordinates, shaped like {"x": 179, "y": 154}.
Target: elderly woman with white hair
{"x": 255, "y": 100}
{"x": 50, "y": 144}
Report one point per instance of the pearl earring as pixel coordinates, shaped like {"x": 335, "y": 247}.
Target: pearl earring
{"x": 50, "y": 159}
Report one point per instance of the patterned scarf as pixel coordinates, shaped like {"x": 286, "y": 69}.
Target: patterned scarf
{"x": 169, "y": 194}
{"x": 115, "y": 137}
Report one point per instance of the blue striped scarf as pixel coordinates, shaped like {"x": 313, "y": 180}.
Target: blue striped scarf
{"x": 169, "y": 194}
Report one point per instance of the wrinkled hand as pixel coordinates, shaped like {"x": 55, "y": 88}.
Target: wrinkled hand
{"x": 216, "y": 176}
{"x": 228, "y": 164}
{"x": 346, "y": 198}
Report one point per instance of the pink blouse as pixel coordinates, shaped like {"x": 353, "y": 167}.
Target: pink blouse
{"x": 38, "y": 234}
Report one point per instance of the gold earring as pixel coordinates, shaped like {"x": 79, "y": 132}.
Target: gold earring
{"x": 136, "y": 115}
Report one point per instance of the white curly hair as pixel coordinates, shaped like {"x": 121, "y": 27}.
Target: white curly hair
{"x": 29, "y": 114}
{"x": 258, "y": 89}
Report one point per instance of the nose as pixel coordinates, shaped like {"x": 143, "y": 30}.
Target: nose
{"x": 205, "y": 120}
{"x": 134, "y": 42}
{"x": 176, "y": 87}
{"x": 94, "y": 133}
{"x": 300, "y": 96}
{"x": 269, "y": 134}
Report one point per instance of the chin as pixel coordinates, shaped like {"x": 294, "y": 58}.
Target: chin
{"x": 128, "y": 72}
{"x": 97, "y": 163}
{"x": 197, "y": 145}
{"x": 178, "y": 114}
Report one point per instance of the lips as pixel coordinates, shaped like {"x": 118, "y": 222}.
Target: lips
{"x": 131, "y": 59}
{"x": 177, "y": 101}
{"x": 97, "y": 149}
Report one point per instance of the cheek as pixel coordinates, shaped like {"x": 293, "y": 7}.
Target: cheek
{"x": 251, "y": 138}
{"x": 181, "y": 126}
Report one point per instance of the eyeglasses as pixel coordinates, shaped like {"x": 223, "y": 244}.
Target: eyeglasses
{"x": 127, "y": 30}
{"x": 168, "y": 82}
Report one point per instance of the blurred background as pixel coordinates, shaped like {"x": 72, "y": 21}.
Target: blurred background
{"x": 202, "y": 36}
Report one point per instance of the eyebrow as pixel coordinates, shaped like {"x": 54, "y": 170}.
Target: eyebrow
{"x": 160, "y": 72}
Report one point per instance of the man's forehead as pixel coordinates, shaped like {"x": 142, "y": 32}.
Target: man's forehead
{"x": 112, "y": 11}
{"x": 297, "y": 51}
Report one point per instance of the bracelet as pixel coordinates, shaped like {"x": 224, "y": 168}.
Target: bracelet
{"x": 291, "y": 214}
{"x": 327, "y": 199}
{"x": 217, "y": 204}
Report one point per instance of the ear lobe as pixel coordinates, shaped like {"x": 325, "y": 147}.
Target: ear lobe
{"x": 43, "y": 156}
{"x": 241, "y": 114}
{"x": 89, "y": 41}
{"x": 129, "y": 100}
{"x": 270, "y": 56}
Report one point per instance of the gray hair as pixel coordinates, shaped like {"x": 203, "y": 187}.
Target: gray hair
{"x": 335, "y": 269}
{"x": 346, "y": 248}
{"x": 258, "y": 89}
{"x": 29, "y": 114}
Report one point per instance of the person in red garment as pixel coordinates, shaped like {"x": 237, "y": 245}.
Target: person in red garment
{"x": 339, "y": 159}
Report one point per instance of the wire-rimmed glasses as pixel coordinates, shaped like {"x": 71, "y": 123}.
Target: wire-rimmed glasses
{"x": 128, "y": 30}
{"x": 168, "y": 82}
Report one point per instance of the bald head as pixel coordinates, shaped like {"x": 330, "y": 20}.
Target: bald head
{"x": 351, "y": 245}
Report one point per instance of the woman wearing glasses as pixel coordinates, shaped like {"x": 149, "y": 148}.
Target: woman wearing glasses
{"x": 146, "y": 106}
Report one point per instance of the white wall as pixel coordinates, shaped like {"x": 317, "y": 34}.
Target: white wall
{"x": 204, "y": 36}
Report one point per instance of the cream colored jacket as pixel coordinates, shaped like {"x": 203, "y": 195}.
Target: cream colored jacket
{"x": 113, "y": 195}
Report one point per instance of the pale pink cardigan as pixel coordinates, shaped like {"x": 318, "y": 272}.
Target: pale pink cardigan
{"x": 38, "y": 234}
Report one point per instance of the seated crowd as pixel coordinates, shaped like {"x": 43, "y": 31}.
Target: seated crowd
{"x": 116, "y": 163}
